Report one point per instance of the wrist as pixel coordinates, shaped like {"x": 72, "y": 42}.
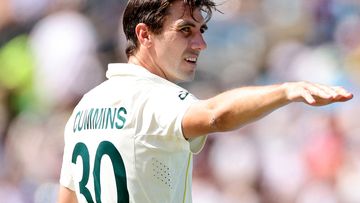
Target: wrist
{"x": 285, "y": 92}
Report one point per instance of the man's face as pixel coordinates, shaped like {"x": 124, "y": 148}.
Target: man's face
{"x": 177, "y": 48}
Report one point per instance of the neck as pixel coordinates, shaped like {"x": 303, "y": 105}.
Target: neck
{"x": 147, "y": 64}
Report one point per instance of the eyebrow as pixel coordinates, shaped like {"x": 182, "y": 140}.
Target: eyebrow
{"x": 184, "y": 23}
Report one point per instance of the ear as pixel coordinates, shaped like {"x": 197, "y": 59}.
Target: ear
{"x": 143, "y": 34}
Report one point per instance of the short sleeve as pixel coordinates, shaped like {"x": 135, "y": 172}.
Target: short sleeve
{"x": 196, "y": 144}
{"x": 163, "y": 113}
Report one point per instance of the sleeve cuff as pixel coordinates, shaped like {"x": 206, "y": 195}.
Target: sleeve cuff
{"x": 197, "y": 144}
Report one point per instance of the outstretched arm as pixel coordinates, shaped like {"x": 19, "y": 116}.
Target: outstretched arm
{"x": 234, "y": 108}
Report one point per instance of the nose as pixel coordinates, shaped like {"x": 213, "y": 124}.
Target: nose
{"x": 198, "y": 43}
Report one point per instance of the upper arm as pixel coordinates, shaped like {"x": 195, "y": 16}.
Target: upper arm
{"x": 66, "y": 195}
{"x": 198, "y": 120}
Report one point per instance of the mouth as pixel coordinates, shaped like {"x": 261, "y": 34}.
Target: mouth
{"x": 192, "y": 60}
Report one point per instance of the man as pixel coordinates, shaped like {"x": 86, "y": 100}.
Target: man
{"x": 131, "y": 139}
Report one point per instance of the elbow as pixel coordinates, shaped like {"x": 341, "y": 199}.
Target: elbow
{"x": 222, "y": 122}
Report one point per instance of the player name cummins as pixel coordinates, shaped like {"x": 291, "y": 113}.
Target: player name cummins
{"x": 100, "y": 118}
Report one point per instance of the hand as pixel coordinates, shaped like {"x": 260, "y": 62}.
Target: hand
{"x": 315, "y": 94}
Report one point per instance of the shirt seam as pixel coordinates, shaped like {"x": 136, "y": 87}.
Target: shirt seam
{"x": 186, "y": 178}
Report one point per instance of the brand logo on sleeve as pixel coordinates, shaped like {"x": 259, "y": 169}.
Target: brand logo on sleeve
{"x": 183, "y": 95}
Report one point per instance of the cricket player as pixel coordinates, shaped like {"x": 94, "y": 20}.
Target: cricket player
{"x": 132, "y": 138}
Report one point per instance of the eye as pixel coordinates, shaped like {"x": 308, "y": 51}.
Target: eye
{"x": 186, "y": 30}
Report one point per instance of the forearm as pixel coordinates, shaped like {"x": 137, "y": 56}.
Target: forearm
{"x": 237, "y": 107}
{"x": 234, "y": 108}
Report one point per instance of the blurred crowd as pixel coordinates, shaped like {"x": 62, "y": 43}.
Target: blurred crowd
{"x": 53, "y": 51}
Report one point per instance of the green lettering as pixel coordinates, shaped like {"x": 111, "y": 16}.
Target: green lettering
{"x": 79, "y": 127}
{"x": 98, "y": 118}
{"x": 89, "y": 123}
{"x": 85, "y": 120}
{"x": 103, "y": 118}
{"x": 77, "y": 115}
{"x": 110, "y": 118}
{"x": 120, "y": 117}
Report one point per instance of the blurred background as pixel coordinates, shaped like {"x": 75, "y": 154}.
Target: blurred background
{"x": 53, "y": 51}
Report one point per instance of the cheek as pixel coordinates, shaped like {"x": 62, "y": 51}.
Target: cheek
{"x": 171, "y": 48}
{"x": 172, "y": 52}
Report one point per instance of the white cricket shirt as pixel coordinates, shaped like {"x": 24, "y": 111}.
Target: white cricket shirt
{"x": 124, "y": 140}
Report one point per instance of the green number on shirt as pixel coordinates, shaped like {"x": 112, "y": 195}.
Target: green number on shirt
{"x": 104, "y": 148}
{"x": 81, "y": 150}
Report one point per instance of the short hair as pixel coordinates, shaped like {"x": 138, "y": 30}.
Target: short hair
{"x": 153, "y": 13}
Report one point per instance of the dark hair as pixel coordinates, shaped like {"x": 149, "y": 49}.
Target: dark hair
{"x": 153, "y": 13}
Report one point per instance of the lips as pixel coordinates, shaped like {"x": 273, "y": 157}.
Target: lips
{"x": 191, "y": 59}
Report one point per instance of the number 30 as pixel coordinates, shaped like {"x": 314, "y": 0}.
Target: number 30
{"x": 104, "y": 148}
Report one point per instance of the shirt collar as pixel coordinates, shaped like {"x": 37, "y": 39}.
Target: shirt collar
{"x": 129, "y": 69}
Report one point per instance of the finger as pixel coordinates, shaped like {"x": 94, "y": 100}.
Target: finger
{"x": 328, "y": 90}
{"x": 341, "y": 91}
{"x": 308, "y": 97}
{"x": 319, "y": 92}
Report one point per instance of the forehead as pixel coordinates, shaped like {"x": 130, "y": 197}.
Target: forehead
{"x": 179, "y": 11}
